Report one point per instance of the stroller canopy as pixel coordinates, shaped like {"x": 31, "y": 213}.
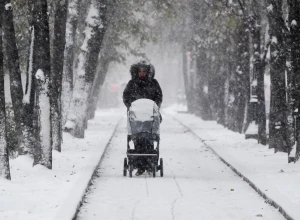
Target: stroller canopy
{"x": 143, "y": 116}
{"x": 144, "y": 110}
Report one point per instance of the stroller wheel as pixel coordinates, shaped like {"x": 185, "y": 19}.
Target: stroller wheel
{"x": 130, "y": 170}
{"x": 154, "y": 169}
{"x": 161, "y": 167}
{"x": 125, "y": 167}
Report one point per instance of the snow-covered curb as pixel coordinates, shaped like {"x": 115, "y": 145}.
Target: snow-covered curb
{"x": 71, "y": 206}
{"x": 267, "y": 173}
{"x": 259, "y": 191}
{"x": 38, "y": 193}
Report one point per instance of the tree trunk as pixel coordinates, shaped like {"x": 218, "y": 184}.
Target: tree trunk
{"x": 94, "y": 95}
{"x": 29, "y": 97}
{"x": 67, "y": 80}
{"x": 294, "y": 82}
{"x": 59, "y": 43}
{"x": 15, "y": 75}
{"x": 221, "y": 92}
{"x": 41, "y": 68}
{"x": 4, "y": 160}
{"x": 243, "y": 113}
{"x": 186, "y": 78}
{"x": 225, "y": 99}
{"x": 278, "y": 107}
{"x": 193, "y": 82}
{"x": 203, "y": 106}
{"x": 259, "y": 72}
{"x": 96, "y": 25}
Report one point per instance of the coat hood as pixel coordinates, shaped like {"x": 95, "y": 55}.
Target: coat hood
{"x": 148, "y": 66}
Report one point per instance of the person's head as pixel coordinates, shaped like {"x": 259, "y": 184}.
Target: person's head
{"x": 142, "y": 72}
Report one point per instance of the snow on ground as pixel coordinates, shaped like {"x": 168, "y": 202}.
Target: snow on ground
{"x": 37, "y": 193}
{"x": 196, "y": 185}
{"x": 270, "y": 172}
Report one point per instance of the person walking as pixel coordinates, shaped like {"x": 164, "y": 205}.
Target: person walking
{"x": 142, "y": 86}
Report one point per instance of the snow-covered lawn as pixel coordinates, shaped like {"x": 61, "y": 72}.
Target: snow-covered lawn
{"x": 37, "y": 193}
{"x": 270, "y": 172}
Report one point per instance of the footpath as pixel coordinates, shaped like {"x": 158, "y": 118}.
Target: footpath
{"x": 36, "y": 193}
{"x": 268, "y": 173}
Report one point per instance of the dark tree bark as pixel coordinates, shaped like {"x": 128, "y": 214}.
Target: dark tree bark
{"x": 15, "y": 74}
{"x": 202, "y": 87}
{"x": 258, "y": 72}
{"x": 4, "y": 160}
{"x": 29, "y": 97}
{"x": 59, "y": 43}
{"x": 220, "y": 87}
{"x": 244, "y": 109}
{"x": 30, "y": 87}
{"x": 41, "y": 69}
{"x": 294, "y": 79}
{"x": 278, "y": 107}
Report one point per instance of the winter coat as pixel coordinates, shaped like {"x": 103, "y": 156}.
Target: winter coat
{"x": 139, "y": 89}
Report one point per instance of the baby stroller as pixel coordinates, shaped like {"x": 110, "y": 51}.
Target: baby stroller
{"x": 143, "y": 125}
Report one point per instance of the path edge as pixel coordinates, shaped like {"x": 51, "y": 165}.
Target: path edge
{"x": 72, "y": 215}
{"x": 247, "y": 180}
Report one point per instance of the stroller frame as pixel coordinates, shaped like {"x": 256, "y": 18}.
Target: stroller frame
{"x": 152, "y": 156}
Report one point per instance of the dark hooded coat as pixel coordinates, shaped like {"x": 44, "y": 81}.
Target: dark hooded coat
{"x": 147, "y": 88}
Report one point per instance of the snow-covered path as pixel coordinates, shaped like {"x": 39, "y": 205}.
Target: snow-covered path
{"x": 196, "y": 185}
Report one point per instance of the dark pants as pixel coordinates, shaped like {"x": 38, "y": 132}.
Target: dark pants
{"x": 143, "y": 146}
